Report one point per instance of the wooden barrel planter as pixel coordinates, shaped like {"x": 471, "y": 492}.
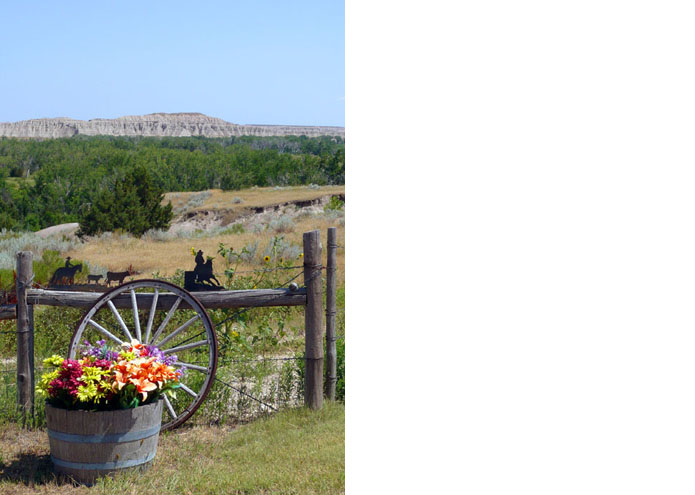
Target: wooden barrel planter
{"x": 90, "y": 444}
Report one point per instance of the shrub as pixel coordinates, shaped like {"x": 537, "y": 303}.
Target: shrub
{"x": 197, "y": 199}
{"x": 334, "y": 204}
{"x": 236, "y": 228}
{"x": 11, "y": 243}
{"x": 281, "y": 224}
{"x": 133, "y": 205}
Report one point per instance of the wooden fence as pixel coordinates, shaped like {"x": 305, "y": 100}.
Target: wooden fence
{"x": 309, "y": 296}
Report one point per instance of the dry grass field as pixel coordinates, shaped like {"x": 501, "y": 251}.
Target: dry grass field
{"x": 253, "y": 197}
{"x": 168, "y": 253}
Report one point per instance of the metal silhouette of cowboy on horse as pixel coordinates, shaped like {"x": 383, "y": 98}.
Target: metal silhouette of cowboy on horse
{"x": 66, "y": 274}
{"x": 203, "y": 273}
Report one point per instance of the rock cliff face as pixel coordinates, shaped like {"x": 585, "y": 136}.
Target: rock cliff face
{"x": 156, "y": 124}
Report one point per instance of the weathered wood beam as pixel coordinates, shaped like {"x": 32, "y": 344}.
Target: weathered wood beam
{"x": 8, "y": 312}
{"x": 331, "y": 362}
{"x": 211, "y": 300}
{"x": 313, "y": 333}
{"x": 25, "y": 338}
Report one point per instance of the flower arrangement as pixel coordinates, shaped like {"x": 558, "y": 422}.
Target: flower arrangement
{"x": 107, "y": 379}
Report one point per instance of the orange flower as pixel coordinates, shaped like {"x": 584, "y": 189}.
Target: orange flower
{"x": 145, "y": 373}
{"x": 134, "y": 346}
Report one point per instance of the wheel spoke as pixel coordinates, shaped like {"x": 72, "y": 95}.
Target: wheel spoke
{"x": 184, "y": 347}
{"x": 188, "y": 391}
{"x": 178, "y": 330}
{"x": 181, "y": 364}
{"x": 119, "y": 319}
{"x": 151, "y": 318}
{"x": 191, "y": 336}
{"x": 169, "y": 407}
{"x": 171, "y": 312}
{"x": 104, "y": 331}
{"x": 136, "y": 318}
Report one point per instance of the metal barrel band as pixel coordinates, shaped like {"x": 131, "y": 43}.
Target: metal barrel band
{"x": 102, "y": 465}
{"x": 128, "y": 436}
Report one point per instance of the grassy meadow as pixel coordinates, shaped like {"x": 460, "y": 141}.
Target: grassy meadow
{"x": 295, "y": 451}
{"x": 239, "y": 446}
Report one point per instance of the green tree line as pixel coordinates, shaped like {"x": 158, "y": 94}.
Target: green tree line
{"x": 52, "y": 181}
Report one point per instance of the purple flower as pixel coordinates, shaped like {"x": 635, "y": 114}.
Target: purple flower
{"x": 156, "y": 353}
{"x": 111, "y": 355}
{"x": 100, "y": 352}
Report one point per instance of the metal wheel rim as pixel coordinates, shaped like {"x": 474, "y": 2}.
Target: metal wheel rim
{"x": 157, "y": 335}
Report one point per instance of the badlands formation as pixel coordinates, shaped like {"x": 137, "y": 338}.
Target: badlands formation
{"x": 156, "y": 124}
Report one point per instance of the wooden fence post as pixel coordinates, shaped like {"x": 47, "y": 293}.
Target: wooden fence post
{"x": 25, "y": 337}
{"x": 331, "y": 354}
{"x": 313, "y": 341}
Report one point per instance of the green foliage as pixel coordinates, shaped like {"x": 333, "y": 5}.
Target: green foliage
{"x": 133, "y": 205}
{"x": 43, "y": 183}
{"x": 237, "y": 228}
{"x": 340, "y": 365}
{"x": 334, "y": 204}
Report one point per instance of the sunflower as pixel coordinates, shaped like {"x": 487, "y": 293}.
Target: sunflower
{"x": 266, "y": 259}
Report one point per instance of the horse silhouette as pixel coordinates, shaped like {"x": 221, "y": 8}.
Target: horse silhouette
{"x": 203, "y": 273}
{"x": 65, "y": 275}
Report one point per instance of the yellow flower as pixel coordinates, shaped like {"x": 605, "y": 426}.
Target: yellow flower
{"x": 54, "y": 360}
{"x": 192, "y": 251}
{"x": 301, "y": 255}
{"x": 235, "y": 334}
{"x": 266, "y": 259}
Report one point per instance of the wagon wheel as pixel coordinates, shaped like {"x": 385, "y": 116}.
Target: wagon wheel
{"x": 167, "y": 316}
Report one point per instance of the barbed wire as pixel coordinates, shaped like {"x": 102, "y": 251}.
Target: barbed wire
{"x": 265, "y": 270}
{"x": 15, "y": 370}
{"x": 244, "y": 393}
{"x": 259, "y": 360}
{"x": 243, "y": 310}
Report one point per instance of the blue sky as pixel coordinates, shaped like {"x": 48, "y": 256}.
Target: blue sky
{"x": 253, "y": 62}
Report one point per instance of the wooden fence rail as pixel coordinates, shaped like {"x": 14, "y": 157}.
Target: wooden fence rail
{"x": 310, "y": 297}
{"x": 255, "y": 298}
{"x": 8, "y": 312}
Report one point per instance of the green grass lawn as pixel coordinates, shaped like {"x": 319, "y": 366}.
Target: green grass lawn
{"x": 295, "y": 451}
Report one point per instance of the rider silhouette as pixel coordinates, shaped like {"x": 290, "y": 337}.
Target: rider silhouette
{"x": 203, "y": 270}
{"x": 67, "y": 262}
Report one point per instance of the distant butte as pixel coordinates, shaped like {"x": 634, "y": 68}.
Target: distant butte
{"x": 156, "y": 125}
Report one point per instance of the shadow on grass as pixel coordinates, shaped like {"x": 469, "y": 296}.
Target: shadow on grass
{"x": 32, "y": 469}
